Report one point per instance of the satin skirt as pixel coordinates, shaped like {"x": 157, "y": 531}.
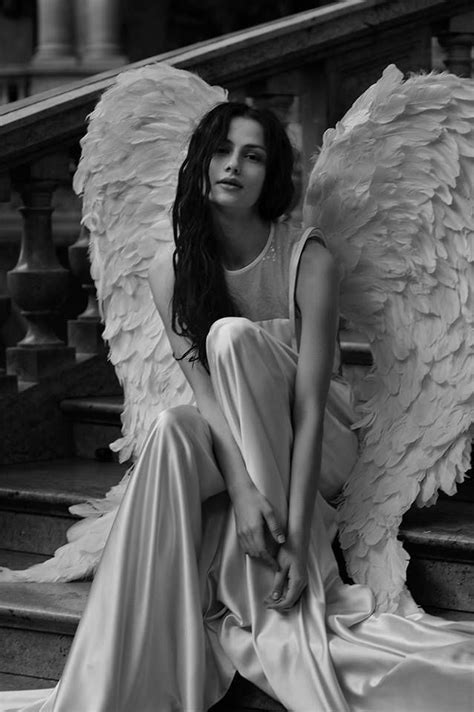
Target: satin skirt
{"x": 176, "y": 607}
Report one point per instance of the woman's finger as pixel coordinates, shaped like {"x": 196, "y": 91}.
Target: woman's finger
{"x": 276, "y": 530}
{"x": 262, "y": 550}
{"x": 293, "y": 594}
{"x": 296, "y": 586}
{"x": 279, "y": 586}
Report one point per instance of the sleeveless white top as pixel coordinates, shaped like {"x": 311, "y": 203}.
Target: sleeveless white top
{"x": 264, "y": 290}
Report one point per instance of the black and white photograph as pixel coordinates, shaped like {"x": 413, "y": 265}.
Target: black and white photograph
{"x": 236, "y": 356}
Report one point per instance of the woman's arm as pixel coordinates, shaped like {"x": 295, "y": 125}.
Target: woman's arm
{"x": 317, "y": 299}
{"x": 251, "y": 508}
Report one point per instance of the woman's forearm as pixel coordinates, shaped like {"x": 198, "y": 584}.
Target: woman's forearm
{"x": 305, "y": 468}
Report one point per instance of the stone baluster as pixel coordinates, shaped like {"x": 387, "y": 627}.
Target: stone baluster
{"x": 38, "y": 284}
{"x": 100, "y": 29}
{"x": 85, "y": 332}
{"x": 457, "y": 40}
{"x": 55, "y": 34}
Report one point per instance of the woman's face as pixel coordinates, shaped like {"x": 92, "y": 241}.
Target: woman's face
{"x": 238, "y": 167}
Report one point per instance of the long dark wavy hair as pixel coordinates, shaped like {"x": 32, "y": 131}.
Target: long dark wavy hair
{"x": 200, "y": 294}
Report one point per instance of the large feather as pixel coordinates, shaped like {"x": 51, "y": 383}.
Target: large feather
{"x": 392, "y": 189}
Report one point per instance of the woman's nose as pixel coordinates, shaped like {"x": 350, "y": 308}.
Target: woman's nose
{"x": 233, "y": 164}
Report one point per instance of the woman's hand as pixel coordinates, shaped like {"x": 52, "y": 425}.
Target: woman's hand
{"x": 258, "y": 529}
{"x": 290, "y": 580}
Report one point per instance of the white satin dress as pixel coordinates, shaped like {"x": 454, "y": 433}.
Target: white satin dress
{"x": 176, "y": 608}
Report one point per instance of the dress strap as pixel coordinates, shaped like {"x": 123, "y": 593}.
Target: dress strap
{"x": 311, "y": 233}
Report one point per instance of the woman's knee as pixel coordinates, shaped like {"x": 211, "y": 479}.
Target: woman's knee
{"x": 228, "y": 334}
{"x": 178, "y": 419}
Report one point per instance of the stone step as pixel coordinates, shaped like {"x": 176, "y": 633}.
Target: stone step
{"x": 95, "y": 424}
{"x": 37, "y": 625}
{"x": 24, "y": 682}
{"x": 38, "y": 621}
{"x": 35, "y": 497}
{"x": 440, "y": 541}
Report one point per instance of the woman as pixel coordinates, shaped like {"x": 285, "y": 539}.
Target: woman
{"x": 243, "y": 185}
{"x": 251, "y": 315}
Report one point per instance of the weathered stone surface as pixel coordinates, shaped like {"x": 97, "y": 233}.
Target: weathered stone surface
{"x": 36, "y": 533}
{"x": 443, "y": 584}
{"x": 50, "y": 607}
{"x": 35, "y": 497}
{"x": 32, "y": 424}
{"x": 57, "y": 482}
{"x": 93, "y": 439}
{"x": 23, "y": 682}
{"x": 446, "y": 529}
{"x": 36, "y": 653}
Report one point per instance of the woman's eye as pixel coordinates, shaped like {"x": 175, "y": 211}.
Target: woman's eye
{"x": 221, "y": 150}
{"x": 255, "y": 157}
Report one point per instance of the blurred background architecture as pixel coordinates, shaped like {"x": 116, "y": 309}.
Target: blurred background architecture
{"x": 44, "y": 43}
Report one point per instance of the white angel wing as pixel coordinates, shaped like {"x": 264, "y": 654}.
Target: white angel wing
{"x": 393, "y": 190}
{"x": 137, "y": 139}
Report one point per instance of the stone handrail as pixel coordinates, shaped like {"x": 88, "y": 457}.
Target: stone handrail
{"x": 37, "y": 123}
{"x": 307, "y": 67}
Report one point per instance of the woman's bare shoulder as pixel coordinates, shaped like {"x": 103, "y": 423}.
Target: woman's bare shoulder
{"x": 316, "y": 261}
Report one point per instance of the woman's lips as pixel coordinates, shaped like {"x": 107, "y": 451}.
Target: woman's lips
{"x": 232, "y": 185}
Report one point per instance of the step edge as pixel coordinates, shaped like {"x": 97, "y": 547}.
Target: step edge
{"x": 45, "y": 621}
{"x": 87, "y": 411}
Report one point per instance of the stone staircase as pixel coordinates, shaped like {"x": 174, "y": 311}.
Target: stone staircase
{"x": 37, "y": 621}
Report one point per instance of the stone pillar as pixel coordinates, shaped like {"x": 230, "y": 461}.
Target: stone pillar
{"x": 85, "y": 332}
{"x": 457, "y": 40}
{"x": 38, "y": 284}
{"x": 100, "y": 25}
{"x": 55, "y": 34}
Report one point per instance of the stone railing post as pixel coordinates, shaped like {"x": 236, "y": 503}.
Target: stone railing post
{"x": 55, "y": 33}
{"x": 38, "y": 284}
{"x": 457, "y": 40}
{"x": 100, "y": 25}
{"x": 85, "y": 332}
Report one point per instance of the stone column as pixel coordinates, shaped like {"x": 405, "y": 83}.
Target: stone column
{"x": 457, "y": 40}
{"x": 38, "y": 284}
{"x": 55, "y": 34}
{"x": 100, "y": 29}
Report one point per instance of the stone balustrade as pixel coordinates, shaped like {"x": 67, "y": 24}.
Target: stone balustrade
{"x": 308, "y": 68}
{"x": 75, "y": 37}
